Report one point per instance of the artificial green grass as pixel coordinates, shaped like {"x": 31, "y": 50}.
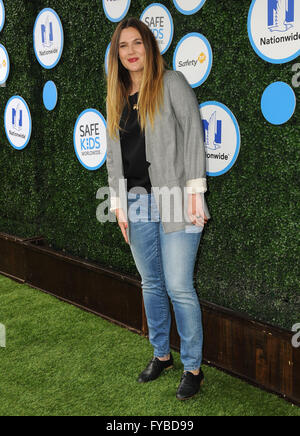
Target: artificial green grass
{"x": 62, "y": 361}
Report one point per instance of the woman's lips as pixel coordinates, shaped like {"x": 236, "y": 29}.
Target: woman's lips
{"x": 132, "y": 60}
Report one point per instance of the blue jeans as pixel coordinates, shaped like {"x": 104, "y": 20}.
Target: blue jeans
{"x": 166, "y": 264}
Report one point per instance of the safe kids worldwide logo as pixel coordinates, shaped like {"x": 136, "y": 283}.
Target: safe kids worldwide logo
{"x": 274, "y": 29}
{"x": 221, "y": 137}
{"x": 116, "y": 10}
{"x": 90, "y": 139}
{"x": 17, "y": 122}
{"x": 48, "y": 38}
{"x": 158, "y": 18}
{"x": 193, "y": 57}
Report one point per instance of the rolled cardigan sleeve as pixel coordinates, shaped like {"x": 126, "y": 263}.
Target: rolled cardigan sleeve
{"x": 186, "y": 109}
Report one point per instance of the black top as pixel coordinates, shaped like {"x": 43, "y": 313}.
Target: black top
{"x": 133, "y": 148}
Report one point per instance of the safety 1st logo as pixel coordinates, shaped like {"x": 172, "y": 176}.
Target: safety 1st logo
{"x": 193, "y": 56}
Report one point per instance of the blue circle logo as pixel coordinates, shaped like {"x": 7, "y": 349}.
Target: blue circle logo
{"x": 278, "y": 103}
{"x": 50, "y": 95}
{"x": 48, "y": 38}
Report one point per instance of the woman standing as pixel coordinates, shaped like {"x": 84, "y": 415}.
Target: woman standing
{"x": 156, "y": 172}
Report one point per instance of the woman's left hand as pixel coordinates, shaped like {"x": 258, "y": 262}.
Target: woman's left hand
{"x": 195, "y": 210}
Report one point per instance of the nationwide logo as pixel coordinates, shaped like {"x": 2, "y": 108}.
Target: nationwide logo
{"x": 17, "y": 122}
{"x": 17, "y": 117}
{"x": 281, "y": 15}
{"x": 213, "y": 137}
{"x": 281, "y": 18}
{"x": 213, "y": 132}
{"x": 221, "y": 137}
{"x": 274, "y": 29}
{"x": 48, "y": 38}
{"x": 47, "y": 33}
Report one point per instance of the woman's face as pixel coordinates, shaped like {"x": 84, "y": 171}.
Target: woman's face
{"x": 131, "y": 50}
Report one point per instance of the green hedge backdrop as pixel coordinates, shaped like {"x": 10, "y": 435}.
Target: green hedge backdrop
{"x": 248, "y": 257}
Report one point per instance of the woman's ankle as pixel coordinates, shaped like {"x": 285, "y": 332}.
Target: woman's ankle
{"x": 165, "y": 358}
{"x": 194, "y": 371}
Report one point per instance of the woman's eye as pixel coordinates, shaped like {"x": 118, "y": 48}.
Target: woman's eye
{"x": 137, "y": 42}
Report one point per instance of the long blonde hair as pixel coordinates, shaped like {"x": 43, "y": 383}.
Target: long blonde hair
{"x": 119, "y": 81}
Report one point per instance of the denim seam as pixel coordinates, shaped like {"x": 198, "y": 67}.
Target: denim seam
{"x": 162, "y": 279}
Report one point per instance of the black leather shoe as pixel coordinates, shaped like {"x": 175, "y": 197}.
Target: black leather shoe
{"x": 189, "y": 385}
{"x": 154, "y": 368}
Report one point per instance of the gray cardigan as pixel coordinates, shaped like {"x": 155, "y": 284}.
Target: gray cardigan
{"x": 175, "y": 151}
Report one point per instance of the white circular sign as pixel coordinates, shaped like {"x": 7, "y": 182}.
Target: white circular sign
{"x": 221, "y": 137}
{"x": 189, "y": 7}
{"x": 274, "y": 29}
{"x": 17, "y": 122}
{"x": 4, "y": 64}
{"x": 193, "y": 57}
{"x": 158, "y": 18}
{"x": 116, "y": 10}
{"x": 2, "y": 15}
{"x": 48, "y": 38}
{"x": 90, "y": 139}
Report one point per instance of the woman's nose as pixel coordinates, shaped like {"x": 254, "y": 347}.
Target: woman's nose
{"x": 130, "y": 49}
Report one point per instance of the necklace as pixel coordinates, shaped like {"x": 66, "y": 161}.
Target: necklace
{"x": 135, "y": 107}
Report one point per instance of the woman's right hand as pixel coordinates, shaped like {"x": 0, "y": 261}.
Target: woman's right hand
{"x": 123, "y": 223}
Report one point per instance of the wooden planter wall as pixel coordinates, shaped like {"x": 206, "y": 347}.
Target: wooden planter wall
{"x": 257, "y": 352}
